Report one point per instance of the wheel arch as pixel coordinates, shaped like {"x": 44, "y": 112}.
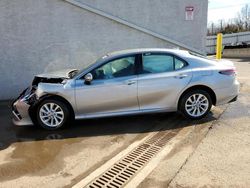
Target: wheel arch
{"x": 200, "y": 87}
{"x": 34, "y": 107}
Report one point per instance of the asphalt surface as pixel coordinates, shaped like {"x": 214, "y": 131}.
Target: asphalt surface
{"x": 33, "y": 157}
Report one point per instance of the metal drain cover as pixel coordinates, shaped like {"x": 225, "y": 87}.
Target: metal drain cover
{"x": 122, "y": 171}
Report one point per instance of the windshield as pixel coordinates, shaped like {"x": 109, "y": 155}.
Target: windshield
{"x": 89, "y": 66}
{"x": 78, "y": 72}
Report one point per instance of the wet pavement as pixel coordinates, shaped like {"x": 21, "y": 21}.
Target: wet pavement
{"x": 33, "y": 157}
{"x": 66, "y": 156}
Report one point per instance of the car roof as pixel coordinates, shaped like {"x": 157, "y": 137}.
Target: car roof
{"x": 145, "y": 50}
{"x": 121, "y": 53}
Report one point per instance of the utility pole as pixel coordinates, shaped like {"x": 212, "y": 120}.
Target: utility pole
{"x": 247, "y": 17}
{"x": 221, "y": 25}
{"x": 212, "y": 28}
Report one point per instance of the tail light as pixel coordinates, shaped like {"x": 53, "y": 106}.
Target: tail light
{"x": 229, "y": 72}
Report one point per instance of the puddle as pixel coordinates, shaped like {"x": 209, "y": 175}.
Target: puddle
{"x": 29, "y": 157}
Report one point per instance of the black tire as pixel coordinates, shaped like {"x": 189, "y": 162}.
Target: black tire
{"x": 61, "y": 117}
{"x": 185, "y": 102}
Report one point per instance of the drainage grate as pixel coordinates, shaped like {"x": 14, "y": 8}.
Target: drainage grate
{"x": 122, "y": 171}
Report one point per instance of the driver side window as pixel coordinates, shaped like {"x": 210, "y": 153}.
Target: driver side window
{"x": 115, "y": 68}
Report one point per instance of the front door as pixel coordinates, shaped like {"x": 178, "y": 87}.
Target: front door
{"x": 113, "y": 89}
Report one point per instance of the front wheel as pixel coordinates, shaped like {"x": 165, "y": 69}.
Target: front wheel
{"x": 196, "y": 104}
{"x": 52, "y": 114}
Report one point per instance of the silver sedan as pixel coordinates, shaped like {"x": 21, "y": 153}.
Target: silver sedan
{"x": 125, "y": 83}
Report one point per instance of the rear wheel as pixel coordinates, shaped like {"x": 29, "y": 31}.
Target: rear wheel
{"x": 196, "y": 104}
{"x": 52, "y": 114}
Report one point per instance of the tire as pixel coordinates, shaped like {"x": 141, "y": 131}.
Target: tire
{"x": 195, "y": 104}
{"x": 52, "y": 114}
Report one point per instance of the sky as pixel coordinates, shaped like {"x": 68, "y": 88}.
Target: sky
{"x": 224, "y": 9}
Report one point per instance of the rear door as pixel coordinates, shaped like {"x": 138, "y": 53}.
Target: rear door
{"x": 161, "y": 79}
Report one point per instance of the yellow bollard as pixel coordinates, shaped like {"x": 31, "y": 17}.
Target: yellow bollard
{"x": 219, "y": 46}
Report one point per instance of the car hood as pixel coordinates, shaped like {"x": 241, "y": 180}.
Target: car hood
{"x": 57, "y": 74}
{"x": 56, "y": 77}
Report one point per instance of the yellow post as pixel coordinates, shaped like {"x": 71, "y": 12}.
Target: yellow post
{"x": 219, "y": 46}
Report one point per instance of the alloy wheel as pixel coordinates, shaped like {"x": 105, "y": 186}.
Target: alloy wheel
{"x": 197, "y": 105}
{"x": 51, "y": 114}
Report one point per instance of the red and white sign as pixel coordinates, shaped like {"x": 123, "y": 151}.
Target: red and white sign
{"x": 189, "y": 13}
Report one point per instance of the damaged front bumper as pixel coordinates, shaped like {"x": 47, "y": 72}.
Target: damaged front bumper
{"x": 20, "y": 108}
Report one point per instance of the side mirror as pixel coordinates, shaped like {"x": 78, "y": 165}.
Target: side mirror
{"x": 88, "y": 78}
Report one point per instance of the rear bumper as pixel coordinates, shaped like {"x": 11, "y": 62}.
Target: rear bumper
{"x": 227, "y": 95}
{"x": 20, "y": 111}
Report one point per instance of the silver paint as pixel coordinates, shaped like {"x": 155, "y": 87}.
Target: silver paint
{"x": 144, "y": 93}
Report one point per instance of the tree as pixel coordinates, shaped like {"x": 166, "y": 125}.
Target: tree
{"x": 244, "y": 16}
{"x": 240, "y": 24}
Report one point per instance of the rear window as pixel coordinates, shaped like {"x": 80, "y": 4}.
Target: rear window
{"x": 154, "y": 63}
{"x": 159, "y": 63}
{"x": 179, "y": 64}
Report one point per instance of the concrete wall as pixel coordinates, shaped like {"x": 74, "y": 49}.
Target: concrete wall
{"x": 236, "y": 53}
{"x": 45, "y": 35}
{"x": 227, "y": 40}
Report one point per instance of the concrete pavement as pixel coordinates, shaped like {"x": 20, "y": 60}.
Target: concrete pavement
{"x": 34, "y": 157}
{"x": 222, "y": 158}
{"x": 212, "y": 152}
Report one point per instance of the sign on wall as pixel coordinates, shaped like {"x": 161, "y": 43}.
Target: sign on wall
{"x": 189, "y": 12}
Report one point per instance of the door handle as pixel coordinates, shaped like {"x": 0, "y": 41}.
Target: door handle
{"x": 180, "y": 76}
{"x": 131, "y": 82}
